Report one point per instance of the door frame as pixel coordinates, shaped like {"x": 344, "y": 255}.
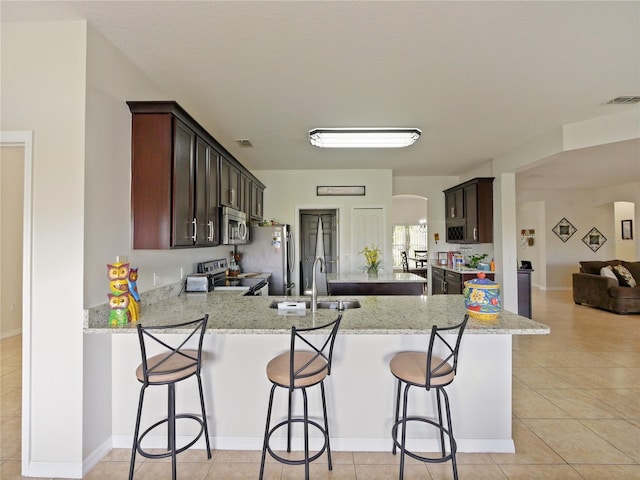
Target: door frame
{"x": 24, "y": 139}
{"x": 298, "y": 241}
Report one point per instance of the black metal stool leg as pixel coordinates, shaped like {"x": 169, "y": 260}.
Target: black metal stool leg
{"x": 439, "y": 405}
{"x": 397, "y": 415}
{"x": 266, "y": 433}
{"x": 172, "y": 428}
{"x": 403, "y": 444}
{"x": 289, "y": 422}
{"x": 306, "y": 433}
{"x": 326, "y": 425}
{"x": 204, "y": 417}
{"x": 136, "y": 432}
{"x": 451, "y": 439}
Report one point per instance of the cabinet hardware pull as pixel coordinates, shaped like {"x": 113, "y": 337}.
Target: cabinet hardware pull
{"x": 232, "y": 196}
{"x": 195, "y": 230}
{"x": 475, "y": 233}
{"x": 453, "y": 212}
{"x": 210, "y": 231}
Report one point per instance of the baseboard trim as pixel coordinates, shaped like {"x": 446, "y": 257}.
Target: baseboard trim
{"x": 474, "y": 445}
{"x": 96, "y": 456}
{"x": 53, "y": 470}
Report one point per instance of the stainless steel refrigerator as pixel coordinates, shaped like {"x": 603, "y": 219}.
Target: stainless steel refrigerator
{"x": 271, "y": 250}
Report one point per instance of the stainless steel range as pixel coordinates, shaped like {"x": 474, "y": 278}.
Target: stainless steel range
{"x": 218, "y": 270}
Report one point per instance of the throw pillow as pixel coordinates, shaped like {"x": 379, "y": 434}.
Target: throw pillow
{"x": 624, "y": 276}
{"x": 608, "y": 272}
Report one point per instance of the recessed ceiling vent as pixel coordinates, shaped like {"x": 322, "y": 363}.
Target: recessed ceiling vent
{"x": 244, "y": 142}
{"x": 624, "y": 100}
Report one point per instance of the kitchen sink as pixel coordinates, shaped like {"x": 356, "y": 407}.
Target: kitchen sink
{"x": 325, "y": 304}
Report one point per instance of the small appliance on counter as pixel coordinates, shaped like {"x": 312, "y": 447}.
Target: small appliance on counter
{"x": 199, "y": 282}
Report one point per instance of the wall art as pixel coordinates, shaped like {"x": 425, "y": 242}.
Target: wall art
{"x": 627, "y": 229}
{"x": 357, "y": 190}
{"x": 594, "y": 239}
{"x": 564, "y": 230}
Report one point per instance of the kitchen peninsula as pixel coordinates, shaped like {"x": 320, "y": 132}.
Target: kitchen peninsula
{"x": 244, "y": 333}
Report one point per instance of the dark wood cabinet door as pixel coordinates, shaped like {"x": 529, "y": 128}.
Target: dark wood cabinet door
{"x": 256, "y": 202}
{"x": 206, "y": 199}
{"x": 471, "y": 217}
{"x": 183, "y": 228}
{"x": 454, "y": 201}
{"x": 437, "y": 281}
{"x": 245, "y": 194}
{"x": 212, "y": 214}
{"x": 229, "y": 184}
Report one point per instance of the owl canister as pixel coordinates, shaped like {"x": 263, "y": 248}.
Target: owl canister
{"x": 482, "y": 298}
{"x": 123, "y": 299}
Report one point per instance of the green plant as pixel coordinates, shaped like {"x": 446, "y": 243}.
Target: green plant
{"x": 475, "y": 259}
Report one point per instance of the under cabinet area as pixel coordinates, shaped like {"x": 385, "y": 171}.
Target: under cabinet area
{"x": 469, "y": 211}
{"x": 180, "y": 175}
{"x": 445, "y": 281}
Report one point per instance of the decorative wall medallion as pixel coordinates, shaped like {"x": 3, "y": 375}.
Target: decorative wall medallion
{"x": 594, "y": 239}
{"x": 564, "y": 230}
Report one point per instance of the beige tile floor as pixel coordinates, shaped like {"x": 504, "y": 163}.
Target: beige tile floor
{"x": 576, "y": 414}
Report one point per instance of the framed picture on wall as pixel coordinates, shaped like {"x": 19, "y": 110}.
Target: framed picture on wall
{"x": 627, "y": 229}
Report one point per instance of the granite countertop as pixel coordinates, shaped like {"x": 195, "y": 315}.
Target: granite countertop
{"x": 395, "y": 277}
{"x": 462, "y": 269}
{"x": 232, "y": 313}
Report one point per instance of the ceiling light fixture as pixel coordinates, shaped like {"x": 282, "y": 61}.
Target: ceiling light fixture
{"x": 363, "y": 137}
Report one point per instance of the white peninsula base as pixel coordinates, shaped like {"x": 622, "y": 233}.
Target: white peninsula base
{"x": 360, "y": 393}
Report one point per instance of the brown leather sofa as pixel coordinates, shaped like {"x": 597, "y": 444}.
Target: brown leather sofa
{"x": 591, "y": 288}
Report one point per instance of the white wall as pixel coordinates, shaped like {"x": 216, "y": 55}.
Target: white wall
{"x": 11, "y": 208}
{"x": 531, "y": 215}
{"x": 43, "y": 90}
{"x": 408, "y": 209}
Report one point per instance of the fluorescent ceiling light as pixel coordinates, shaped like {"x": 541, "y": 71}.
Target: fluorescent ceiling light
{"x": 363, "y": 137}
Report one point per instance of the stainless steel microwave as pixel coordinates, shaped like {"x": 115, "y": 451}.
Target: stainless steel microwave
{"x": 234, "y": 227}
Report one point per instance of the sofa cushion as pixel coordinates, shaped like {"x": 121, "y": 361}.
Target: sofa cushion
{"x": 608, "y": 272}
{"x": 624, "y": 292}
{"x": 594, "y": 266}
{"x": 624, "y": 276}
{"x": 634, "y": 268}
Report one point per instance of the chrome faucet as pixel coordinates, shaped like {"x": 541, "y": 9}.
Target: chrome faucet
{"x": 314, "y": 286}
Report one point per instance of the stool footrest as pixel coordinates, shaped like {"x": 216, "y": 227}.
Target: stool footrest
{"x": 441, "y": 459}
{"x": 301, "y": 461}
{"x": 179, "y": 450}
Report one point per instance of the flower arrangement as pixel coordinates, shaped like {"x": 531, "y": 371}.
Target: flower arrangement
{"x": 373, "y": 257}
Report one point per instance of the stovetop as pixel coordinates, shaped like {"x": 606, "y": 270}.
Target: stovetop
{"x": 218, "y": 269}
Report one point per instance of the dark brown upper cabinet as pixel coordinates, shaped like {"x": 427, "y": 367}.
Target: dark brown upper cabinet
{"x": 176, "y": 178}
{"x": 469, "y": 211}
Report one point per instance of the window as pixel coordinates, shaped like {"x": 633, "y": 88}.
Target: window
{"x": 408, "y": 238}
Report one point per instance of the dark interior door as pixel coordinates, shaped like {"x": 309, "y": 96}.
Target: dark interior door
{"x": 309, "y": 243}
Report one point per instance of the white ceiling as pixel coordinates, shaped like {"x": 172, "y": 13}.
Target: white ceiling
{"x": 478, "y": 78}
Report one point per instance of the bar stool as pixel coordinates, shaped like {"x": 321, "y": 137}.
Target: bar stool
{"x": 174, "y": 364}
{"x": 298, "y": 370}
{"x": 425, "y": 370}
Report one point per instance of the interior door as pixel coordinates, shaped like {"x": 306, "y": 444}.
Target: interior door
{"x": 309, "y": 243}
